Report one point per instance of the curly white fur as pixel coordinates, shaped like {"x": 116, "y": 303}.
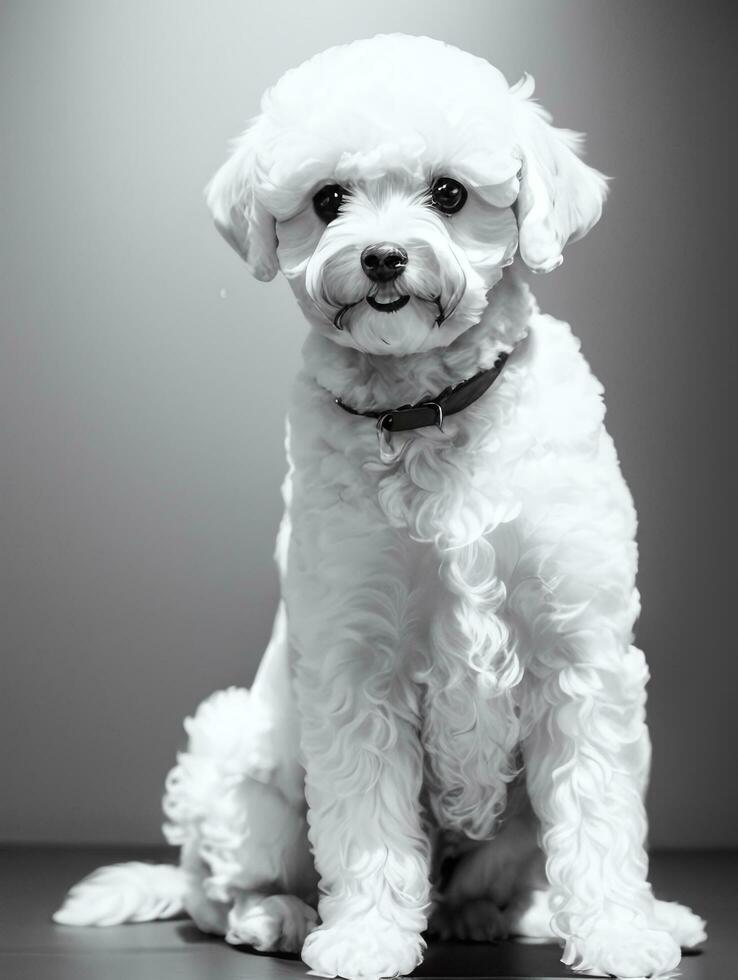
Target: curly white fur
{"x": 451, "y": 709}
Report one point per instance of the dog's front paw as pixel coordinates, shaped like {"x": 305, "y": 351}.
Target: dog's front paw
{"x": 681, "y": 922}
{"x": 622, "y": 951}
{"x": 362, "y": 949}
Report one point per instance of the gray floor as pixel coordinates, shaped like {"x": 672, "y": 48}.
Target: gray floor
{"x": 33, "y": 880}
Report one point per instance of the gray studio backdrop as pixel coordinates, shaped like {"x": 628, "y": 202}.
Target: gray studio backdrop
{"x": 144, "y": 373}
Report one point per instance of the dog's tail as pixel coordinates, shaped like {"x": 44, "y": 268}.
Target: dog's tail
{"x": 131, "y": 892}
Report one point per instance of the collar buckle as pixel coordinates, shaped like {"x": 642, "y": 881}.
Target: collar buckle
{"x": 439, "y": 413}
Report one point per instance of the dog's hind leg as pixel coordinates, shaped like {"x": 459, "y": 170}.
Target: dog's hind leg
{"x": 270, "y": 923}
{"x": 476, "y": 920}
{"x": 235, "y": 803}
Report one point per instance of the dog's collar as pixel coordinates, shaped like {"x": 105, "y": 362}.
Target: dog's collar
{"x": 455, "y": 398}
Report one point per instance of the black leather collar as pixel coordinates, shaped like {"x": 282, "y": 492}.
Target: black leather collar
{"x": 451, "y": 400}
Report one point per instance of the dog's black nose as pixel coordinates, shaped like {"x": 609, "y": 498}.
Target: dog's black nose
{"x": 383, "y": 262}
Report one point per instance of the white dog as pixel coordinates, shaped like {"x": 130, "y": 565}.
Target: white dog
{"x": 449, "y": 719}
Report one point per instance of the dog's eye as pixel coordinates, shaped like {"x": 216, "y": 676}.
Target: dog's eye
{"x": 448, "y": 195}
{"x": 327, "y": 202}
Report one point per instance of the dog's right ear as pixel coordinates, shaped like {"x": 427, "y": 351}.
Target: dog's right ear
{"x": 239, "y": 215}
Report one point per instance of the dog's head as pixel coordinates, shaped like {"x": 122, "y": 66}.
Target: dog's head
{"x": 392, "y": 180}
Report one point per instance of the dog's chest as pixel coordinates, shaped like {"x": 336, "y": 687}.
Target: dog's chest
{"x": 444, "y": 487}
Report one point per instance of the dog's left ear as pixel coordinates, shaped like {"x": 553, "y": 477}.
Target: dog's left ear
{"x": 560, "y": 197}
{"x": 239, "y": 215}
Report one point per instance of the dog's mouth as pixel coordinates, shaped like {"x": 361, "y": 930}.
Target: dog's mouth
{"x": 391, "y": 307}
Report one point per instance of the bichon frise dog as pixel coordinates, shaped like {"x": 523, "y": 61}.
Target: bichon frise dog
{"x": 447, "y": 728}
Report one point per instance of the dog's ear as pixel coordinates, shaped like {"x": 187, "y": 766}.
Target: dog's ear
{"x": 238, "y": 213}
{"x": 560, "y": 197}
